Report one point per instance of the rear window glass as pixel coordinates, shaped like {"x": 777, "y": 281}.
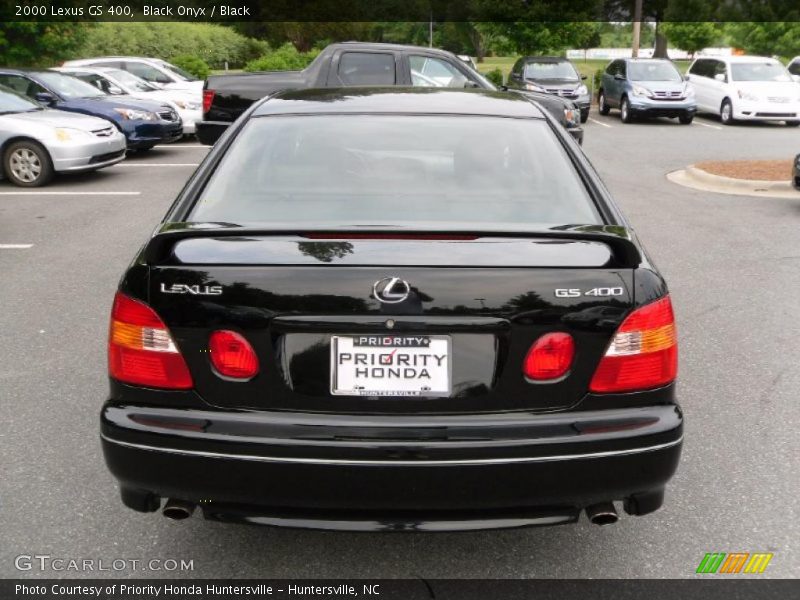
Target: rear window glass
{"x": 395, "y": 170}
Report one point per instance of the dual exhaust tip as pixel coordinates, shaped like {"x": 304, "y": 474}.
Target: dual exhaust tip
{"x": 603, "y": 513}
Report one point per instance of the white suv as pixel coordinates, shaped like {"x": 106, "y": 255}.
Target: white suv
{"x": 154, "y": 70}
{"x": 747, "y": 88}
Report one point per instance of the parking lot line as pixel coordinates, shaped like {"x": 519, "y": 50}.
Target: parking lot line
{"x": 15, "y": 246}
{"x": 81, "y": 193}
{"x": 601, "y": 123}
{"x": 124, "y": 164}
{"x": 198, "y": 146}
{"x": 706, "y": 125}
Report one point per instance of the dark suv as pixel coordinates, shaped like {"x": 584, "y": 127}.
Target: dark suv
{"x": 551, "y": 75}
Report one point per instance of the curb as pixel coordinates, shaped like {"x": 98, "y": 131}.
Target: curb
{"x": 695, "y": 178}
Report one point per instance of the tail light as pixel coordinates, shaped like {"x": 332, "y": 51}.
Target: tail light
{"x": 141, "y": 350}
{"x": 643, "y": 354}
{"x": 232, "y": 355}
{"x": 550, "y": 357}
{"x": 208, "y": 98}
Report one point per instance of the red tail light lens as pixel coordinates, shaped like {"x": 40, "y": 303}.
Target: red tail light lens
{"x": 232, "y": 355}
{"x": 208, "y": 98}
{"x": 643, "y": 354}
{"x": 550, "y": 357}
{"x": 141, "y": 350}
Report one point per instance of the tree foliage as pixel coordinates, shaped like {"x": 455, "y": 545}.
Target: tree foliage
{"x": 40, "y": 44}
{"x": 285, "y": 58}
{"x": 778, "y": 38}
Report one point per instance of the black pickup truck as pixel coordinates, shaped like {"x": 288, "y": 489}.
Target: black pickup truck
{"x": 349, "y": 64}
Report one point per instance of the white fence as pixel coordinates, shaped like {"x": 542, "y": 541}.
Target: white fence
{"x": 612, "y": 53}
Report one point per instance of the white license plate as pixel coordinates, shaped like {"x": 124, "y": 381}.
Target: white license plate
{"x": 390, "y": 365}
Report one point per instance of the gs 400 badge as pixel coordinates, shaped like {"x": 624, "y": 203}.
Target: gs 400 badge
{"x": 598, "y": 291}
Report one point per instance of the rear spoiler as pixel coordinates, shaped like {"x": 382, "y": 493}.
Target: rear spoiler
{"x": 618, "y": 238}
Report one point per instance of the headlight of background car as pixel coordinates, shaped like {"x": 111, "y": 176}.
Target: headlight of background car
{"x": 573, "y": 116}
{"x": 136, "y": 115}
{"x": 640, "y": 90}
{"x": 747, "y": 96}
{"x": 67, "y": 134}
{"x": 582, "y": 90}
{"x": 533, "y": 87}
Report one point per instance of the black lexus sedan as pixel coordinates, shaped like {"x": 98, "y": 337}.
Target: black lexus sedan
{"x": 393, "y": 309}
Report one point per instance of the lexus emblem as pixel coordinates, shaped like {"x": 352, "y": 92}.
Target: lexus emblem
{"x": 391, "y": 290}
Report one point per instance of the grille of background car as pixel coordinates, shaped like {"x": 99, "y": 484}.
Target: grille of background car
{"x": 668, "y": 95}
{"x": 105, "y": 132}
{"x": 561, "y": 92}
{"x": 168, "y": 115}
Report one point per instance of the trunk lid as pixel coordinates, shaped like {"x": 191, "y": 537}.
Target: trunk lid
{"x": 291, "y": 295}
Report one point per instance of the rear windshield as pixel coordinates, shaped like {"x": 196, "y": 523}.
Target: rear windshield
{"x": 395, "y": 170}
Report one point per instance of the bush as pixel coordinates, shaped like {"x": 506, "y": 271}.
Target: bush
{"x": 196, "y": 66}
{"x": 495, "y": 76}
{"x": 285, "y": 58}
{"x": 214, "y": 44}
{"x": 598, "y": 78}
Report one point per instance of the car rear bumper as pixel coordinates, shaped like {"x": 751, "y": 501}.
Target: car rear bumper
{"x": 374, "y": 472}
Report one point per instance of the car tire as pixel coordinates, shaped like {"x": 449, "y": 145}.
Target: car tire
{"x": 625, "y": 110}
{"x": 792, "y": 123}
{"x": 602, "y": 107}
{"x": 726, "y": 112}
{"x": 584, "y": 115}
{"x": 686, "y": 119}
{"x": 27, "y": 164}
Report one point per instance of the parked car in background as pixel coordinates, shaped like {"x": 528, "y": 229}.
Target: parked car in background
{"x": 360, "y": 321}
{"x": 348, "y": 64}
{"x": 794, "y": 68}
{"x": 37, "y": 142}
{"x": 154, "y": 70}
{"x": 646, "y": 87}
{"x": 796, "y": 172}
{"x": 144, "y": 123}
{"x": 746, "y": 88}
{"x": 551, "y": 75}
{"x": 117, "y": 82}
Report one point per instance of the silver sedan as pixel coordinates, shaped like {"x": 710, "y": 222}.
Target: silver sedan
{"x": 37, "y": 142}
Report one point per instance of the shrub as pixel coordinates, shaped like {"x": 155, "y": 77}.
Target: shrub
{"x": 196, "y": 66}
{"x": 495, "y": 76}
{"x": 598, "y": 78}
{"x": 285, "y": 58}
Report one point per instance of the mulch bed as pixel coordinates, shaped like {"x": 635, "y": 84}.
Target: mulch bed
{"x": 766, "y": 170}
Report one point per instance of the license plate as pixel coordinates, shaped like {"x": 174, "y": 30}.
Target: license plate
{"x": 390, "y": 365}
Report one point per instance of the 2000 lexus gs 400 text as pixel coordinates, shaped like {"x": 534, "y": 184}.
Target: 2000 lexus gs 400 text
{"x": 393, "y": 309}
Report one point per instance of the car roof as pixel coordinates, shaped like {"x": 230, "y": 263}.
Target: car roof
{"x": 399, "y": 100}
{"x": 746, "y": 59}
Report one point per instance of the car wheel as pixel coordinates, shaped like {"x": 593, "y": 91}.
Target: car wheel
{"x": 625, "y": 110}
{"x": 792, "y": 123}
{"x": 686, "y": 119}
{"x": 603, "y": 108}
{"x": 726, "y": 112}
{"x": 27, "y": 164}
{"x": 584, "y": 115}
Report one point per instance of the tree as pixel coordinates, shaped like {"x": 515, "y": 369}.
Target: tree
{"x": 779, "y": 38}
{"x": 39, "y": 44}
{"x": 691, "y": 36}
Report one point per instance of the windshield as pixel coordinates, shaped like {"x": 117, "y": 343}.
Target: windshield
{"x": 179, "y": 72}
{"x": 67, "y": 86}
{"x": 11, "y": 102}
{"x": 550, "y": 70}
{"x": 757, "y": 71}
{"x": 131, "y": 82}
{"x": 394, "y": 171}
{"x": 653, "y": 70}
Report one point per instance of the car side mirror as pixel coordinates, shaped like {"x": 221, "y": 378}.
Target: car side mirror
{"x": 619, "y": 77}
{"x": 721, "y": 77}
{"x": 470, "y": 84}
{"x": 115, "y": 91}
{"x": 45, "y": 98}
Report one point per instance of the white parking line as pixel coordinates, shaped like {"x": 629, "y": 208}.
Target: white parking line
{"x": 133, "y": 164}
{"x": 15, "y": 246}
{"x": 70, "y": 193}
{"x": 197, "y": 146}
{"x": 706, "y": 125}
{"x": 601, "y": 123}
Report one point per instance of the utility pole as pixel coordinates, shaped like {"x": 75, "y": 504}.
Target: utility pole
{"x": 637, "y": 28}
{"x": 430, "y": 32}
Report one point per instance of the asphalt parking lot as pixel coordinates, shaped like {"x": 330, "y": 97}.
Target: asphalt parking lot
{"x": 733, "y": 264}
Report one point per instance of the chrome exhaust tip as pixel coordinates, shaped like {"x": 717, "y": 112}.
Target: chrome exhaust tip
{"x": 603, "y": 513}
{"x": 177, "y": 510}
